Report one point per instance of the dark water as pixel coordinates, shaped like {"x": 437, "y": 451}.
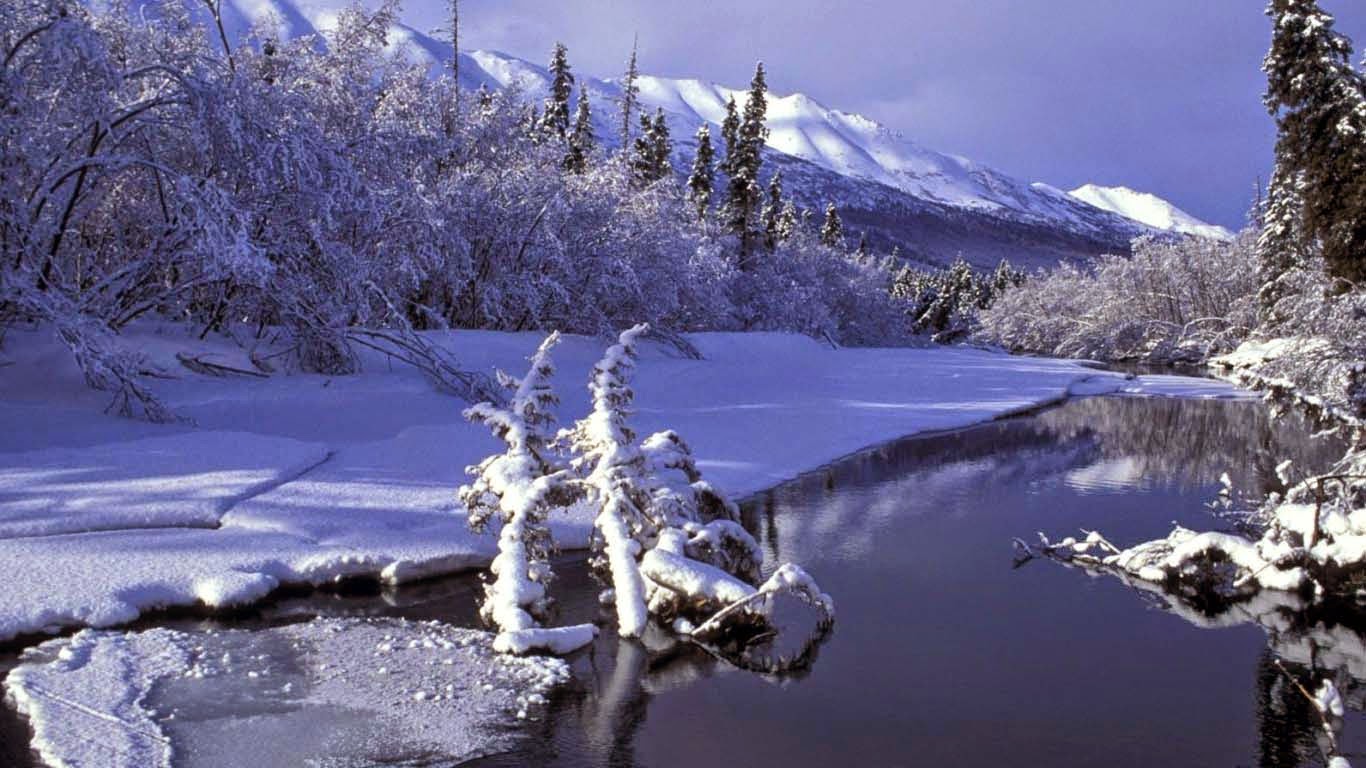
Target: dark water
{"x": 944, "y": 652}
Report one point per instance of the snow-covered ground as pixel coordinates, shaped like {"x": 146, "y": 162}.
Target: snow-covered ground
{"x": 307, "y": 479}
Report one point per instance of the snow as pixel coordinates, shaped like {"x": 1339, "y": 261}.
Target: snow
{"x": 759, "y": 409}
{"x": 1149, "y": 209}
{"x": 187, "y": 480}
{"x": 555, "y": 640}
{"x": 851, "y": 145}
{"x": 329, "y": 691}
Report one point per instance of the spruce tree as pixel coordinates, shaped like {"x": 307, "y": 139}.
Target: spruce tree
{"x": 730, "y": 136}
{"x": 630, "y": 93}
{"x": 662, "y": 147}
{"x": 832, "y": 230}
{"x": 862, "y": 250}
{"x": 743, "y": 165}
{"x": 581, "y": 139}
{"x": 643, "y": 156}
{"x": 788, "y": 221}
{"x": 1319, "y": 101}
{"x": 556, "y": 117}
{"x": 703, "y": 177}
{"x": 773, "y": 212}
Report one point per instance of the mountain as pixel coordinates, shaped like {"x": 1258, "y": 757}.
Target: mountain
{"x": 1148, "y": 209}
{"x": 931, "y": 206}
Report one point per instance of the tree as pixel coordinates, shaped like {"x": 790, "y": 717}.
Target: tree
{"x": 663, "y": 147}
{"x": 862, "y": 250}
{"x": 455, "y": 54}
{"x": 772, "y": 216}
{"x": 703, "y": 177}
{"x": 581, "y": 139}
{"x": 556, "y": 117}
{"x": 744, "y": 159}
{"x": 832, "y": 230}
{"x": 730, "y": 136}
{"x": 613, "y": 469}
{"x": 788, "y": 221}
{"x": 1319, "y": 101}
{"x": 519, "y": 486}
{"x": 630, "y": 94}
{"x": 652, "y": 150}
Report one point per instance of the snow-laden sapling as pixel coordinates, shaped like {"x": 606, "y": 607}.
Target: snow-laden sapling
{"x": 613, "y": 470}
{"x": 669, "y": 544}
{"x": 519, "y": 487}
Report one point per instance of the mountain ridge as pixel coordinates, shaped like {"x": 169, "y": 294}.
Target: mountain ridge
{"x": 929, "y": 205}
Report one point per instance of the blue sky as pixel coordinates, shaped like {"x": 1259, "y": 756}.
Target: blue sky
{"x": 1159, "y": 95}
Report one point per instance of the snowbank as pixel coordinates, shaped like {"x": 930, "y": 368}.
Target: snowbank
{"x": 325, "y": 692}
{"x": 263, "y": 508}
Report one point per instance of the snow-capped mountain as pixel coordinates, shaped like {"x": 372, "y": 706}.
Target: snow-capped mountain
{"x": 930, "y": 205}
{"x": 1149, "y": 209}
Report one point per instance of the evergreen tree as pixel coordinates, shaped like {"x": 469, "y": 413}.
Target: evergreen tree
{"x": 662, "y": 146}
{"x": 556, "y": 117}
{"x": 743, "y": 165}
{"x": 772, "y": 216}
{"x": 653, "y": 148}
{"x": 630, "y": 94}
{"x": 1319, "y": 101}
{"x": 788, "y": 221}
{"x": 862, "y": 250}
{"x": 519, "y": 487}
{"x": 832, "y": 229}
{"x": 1282, "y": 243}
{"x": 643, "y": 157}
{"x": 581, "y": 139}
{"x": 730, "y": 136}
{"x": 703, "y": 177}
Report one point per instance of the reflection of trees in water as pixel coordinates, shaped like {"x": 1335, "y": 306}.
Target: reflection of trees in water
{"x": 1190, "y": 443}
{"x": 1322, "y": 641}
{"x": 1286, "y": 721}
{"x": 1185, "y": 444}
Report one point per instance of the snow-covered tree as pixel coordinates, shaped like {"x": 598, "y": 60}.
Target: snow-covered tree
{"x": 730, "y": 137}
{"x": 1319, "y": 101}
{"x": 662, "y": 145}
{"x": 832, "y": 229}
{"x": 613, "y": 468}
{"x": 744, "y": 159}
{"x": 667, "y": 543}
{"x": 1170, "y": 301}
{"x": 556, "y": 114}
{"x": 520, "y": 487}
{"x": 650, "y": 161}
{"x": 702, "y": 180}
{"x": 581, "y": 141}
{"x": 772, "y": 216}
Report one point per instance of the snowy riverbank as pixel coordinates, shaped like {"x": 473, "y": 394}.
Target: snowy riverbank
{"x": 306, "y": 479}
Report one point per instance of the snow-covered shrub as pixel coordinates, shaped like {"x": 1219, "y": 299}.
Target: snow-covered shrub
{"x": 520, "y": 487}
{"x": 666, "y": 543}
{"x": 1311, "y": 345}
{"x": 613, "y": 468}
{"x": 1171, "y": 301}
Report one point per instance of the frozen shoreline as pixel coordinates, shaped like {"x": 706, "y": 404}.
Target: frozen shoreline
{"x": 308, "y": 479}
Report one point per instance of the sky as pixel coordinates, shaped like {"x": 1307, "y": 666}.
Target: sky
{"x": 1163, "y": 96}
